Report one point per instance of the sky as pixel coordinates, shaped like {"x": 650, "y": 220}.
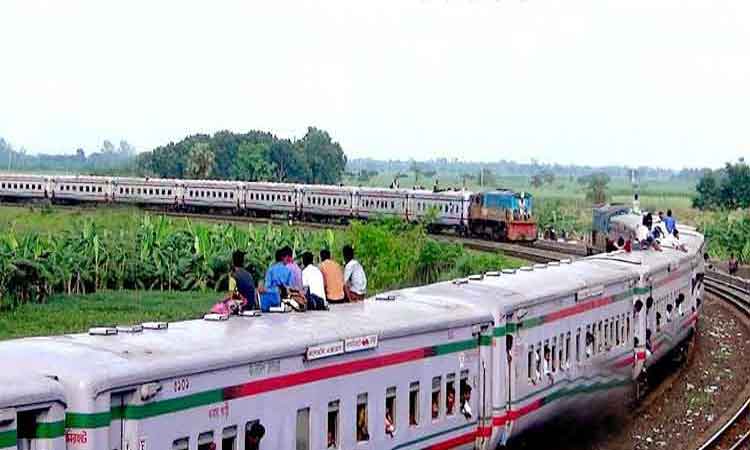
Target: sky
{"x": 638, "y": 82}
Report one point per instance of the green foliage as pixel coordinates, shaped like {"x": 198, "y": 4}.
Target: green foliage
{"x": 727, "y": 234}
{"x": 596, "y": 187}
{"x": 725, "y": 188}
{"x": 112, "y": 251}
{"x": 255, "y": 155}
{"x": 253, "y": 163}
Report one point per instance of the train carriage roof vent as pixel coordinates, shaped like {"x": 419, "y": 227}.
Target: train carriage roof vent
{"x": 566, "y": 261}
{"x": 129, "y": 328}
{"x": 102, "y": 331}
{"x": 155, "y": 325}
{"x": 478, "y": 277}
{"x": 492, "y": 273}
{"x": 385, "y": 297}
{"x": 460, "y": 281}
{"x": 527, "y": 268}
{"x": 540, "y": 266}
{"x": 509, "y": 271}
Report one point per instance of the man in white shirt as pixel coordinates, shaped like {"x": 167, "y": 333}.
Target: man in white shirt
{"x": 312, "y": 279}
{"x": 355, "y": 280}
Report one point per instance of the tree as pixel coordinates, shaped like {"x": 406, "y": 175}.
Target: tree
{"x": 325, "y": 159}
{"x": 126, "y": 150}
{"x": 596, "y": 187}
{"x": 537, "y": 181}
{"x": 252, "y": 163}
{"x": 289, "y": 162}
{"x": 415, "y": 167}
{"x": 709, "y": 192}
{"x": 725, "y": 188}
{"x": 107, "y": 147}
{"x": 200, "y": 161}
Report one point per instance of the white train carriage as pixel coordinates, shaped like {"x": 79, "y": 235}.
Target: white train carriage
{"x": 452, "y": 207}
{"x": 23, "y": 187}
{"x": 32, "y": 411}
{"x": 380, "y": 202}
{"x": 146, "y": 191}
{"x": 315, "y": 380}
{"x": 211, "y": 194}
{"x": 326, "y": 201}
{"x": 81, "y": 188}
{"x": 268, "y": 198}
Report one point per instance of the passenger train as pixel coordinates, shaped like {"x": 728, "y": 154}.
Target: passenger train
{"x": 467, "y": 364}
{"x": 499, "y": 215}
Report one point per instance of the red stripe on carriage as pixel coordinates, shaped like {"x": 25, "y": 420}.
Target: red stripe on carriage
{"x": 626, "y": 362}
{"x": 452, "y": 443}
{"x": 484, "y": 431}
{"x": 577, "y": 309}
{"x": 322, "y": 373}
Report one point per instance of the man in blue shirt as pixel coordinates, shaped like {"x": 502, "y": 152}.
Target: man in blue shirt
{"x": 278, "y": 277}
{"x": 669, "y": 222}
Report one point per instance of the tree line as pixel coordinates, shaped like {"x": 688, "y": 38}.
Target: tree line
{"x": 108, "y": 159}
{"x": 725, "y": 188}
{"x": 251, "y": 156}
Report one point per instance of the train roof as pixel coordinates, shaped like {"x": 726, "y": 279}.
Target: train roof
{"x": 21, "y": 389}
{"x": 101, "y": 363}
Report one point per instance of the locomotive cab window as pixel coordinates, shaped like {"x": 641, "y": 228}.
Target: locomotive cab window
{"x": 333, "y": 424}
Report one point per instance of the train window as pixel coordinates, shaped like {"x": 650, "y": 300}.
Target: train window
{"x": 390, "y": 411}
{"x": 362, "y": 419}
{"x": 627, "y": 328}
{"x": 231, "y": 195}
{"x": 169, "y": 192}
{"x": 578, "y": 345}
{"x": 437, "y": 384}
{"x": 600, "y": 347}
{"x": 606, "y": 334}
{"x": 561, "y": 352}
{"x": 553, "y": 356}
{"x": 181, "y": 444}
{"x": 86, "y": 188}
{"x": 249, "y": 431}
{"x": 530, "y": 364}
{"x": 590, "y": 340}
{"x": 414, "y": 404}
{"x": 333, "y": 424}
{"x": 465, "y": 394}
{"x": 206, "y": 441}
{"x": 229, "y": 438}
{"x": 100, "y": 188}
{"x": 303, "y": 429}
{"x": 567, "y": 351}
{"x": 450, "y": 394}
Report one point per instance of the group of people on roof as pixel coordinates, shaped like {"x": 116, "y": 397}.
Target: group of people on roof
{"x": 287, "y": 286}
{"x": 653, "y": 235}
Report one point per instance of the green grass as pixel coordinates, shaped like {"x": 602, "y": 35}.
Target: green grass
{"x": 72, "y": 314}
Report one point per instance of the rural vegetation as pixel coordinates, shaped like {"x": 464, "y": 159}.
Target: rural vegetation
{"x": 106, "y": 160}
{"x": 102, "y": 252}
{"x": 252, "y": 156}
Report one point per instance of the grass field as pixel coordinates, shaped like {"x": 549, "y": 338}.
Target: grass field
{"x": 70, "y": 314}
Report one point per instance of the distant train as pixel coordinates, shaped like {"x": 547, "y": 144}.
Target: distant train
{"x": 465, "y": 364}
{"x": 497, "y": 215}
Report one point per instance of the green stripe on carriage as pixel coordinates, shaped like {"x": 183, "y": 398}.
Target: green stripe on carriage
{"x": 641, "y": 290}
{"x": 87, "y": 420}
{"x": 455, "y": 347}
{"x": 49, "y": 430}
{"x": 529, "y": 323}
{"x": 585, "y": 389}
{"x": 435, "y": 435}
{"x": 485, "y": 340}
{"x": 135, "y": 412}
{"x": 8, "y": 439}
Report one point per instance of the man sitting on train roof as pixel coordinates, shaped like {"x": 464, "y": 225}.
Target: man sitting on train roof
{"x": 293, "y": 267}
{"x": 240, "y": 280}
{"x": 355, "y": 280}
{"x": 333, "y": 278}
{"x": 312, "y": 281}
{"x": 278, "y": 277}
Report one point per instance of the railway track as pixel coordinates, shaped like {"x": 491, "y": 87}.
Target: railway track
{"x": 734, "y": 432}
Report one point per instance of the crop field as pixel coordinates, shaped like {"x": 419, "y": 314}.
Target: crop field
{"x": 87, "y": 264}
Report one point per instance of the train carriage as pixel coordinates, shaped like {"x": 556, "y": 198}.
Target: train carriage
{"x": 32, "y": 411}
{"x": 311, "y": 380}
{"x": 380, "y": 202}
{"x": 320, "y": 201}
{"x": 147, "y": 191}
{"x": 209, "y": 194}
{"x": 271, "y": 198}
{"x": 451, "y": 208}
{"x": 23, "y": 187}
{"x": 78, "y": 188}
